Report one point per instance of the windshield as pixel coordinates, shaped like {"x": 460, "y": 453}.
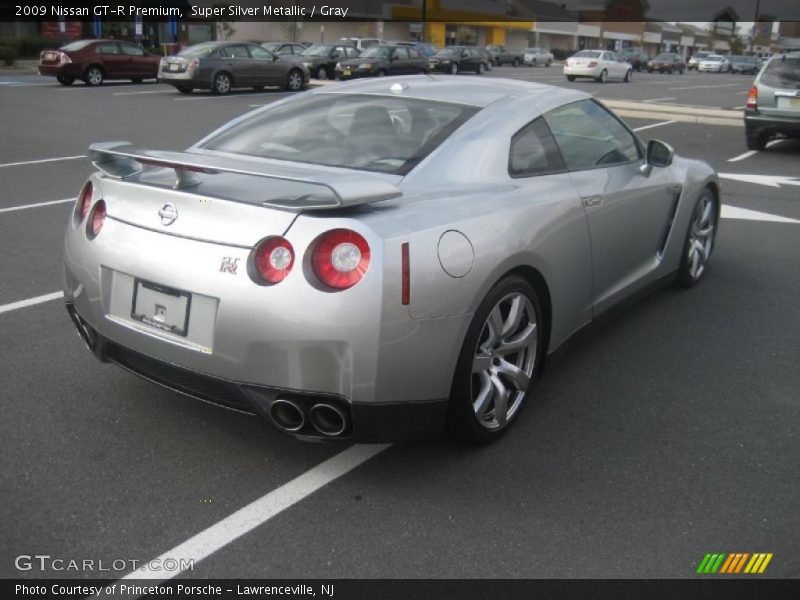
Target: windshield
{"x": 198, "y": 50}
{"x": 700, "y": 55}
{"x": 665, "y": 57}
{"x": 373, "y": 133}
{"x": 782, "y": 73}
{"x": 271, "y": 46}
{"x": 713, "y": 58}
{"x": 317, "y": 50}
{"x": 376, "y": 52}
{"x": 75, "y": 46}
{"x": 587, "y": 54}
{"x": 447, "y": 51}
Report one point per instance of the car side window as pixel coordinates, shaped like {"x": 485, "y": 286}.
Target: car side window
{"x": 534, "y": 151}
{"x": 260, "y": 53}
{"x": 107, "y": 49}
{"x": 132, "y": 50}
{"x": 401, "y": 53}
{"x": 589, "y": 136}
{"x": 414, "y": 53}
{"x": 351, "y": 52}
{"x": 234, "y": 52}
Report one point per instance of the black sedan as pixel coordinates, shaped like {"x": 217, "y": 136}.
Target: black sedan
{"x": 222, "y": 66}
{"x": 744, "y": 64}
{"x": 455, "y": 59}
{"x": 283, "y": 48}
{"x": 321, "y": 59}
{"x": 383, "y": 60}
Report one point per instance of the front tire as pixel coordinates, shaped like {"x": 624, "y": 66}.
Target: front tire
{"x": 603, "y": 76}
{"x": 222, "y": 84}
{"x": 500, "y": 356}
{"x": 570, "y": 77}
{"x": 515, "y": 62}
{"x": 699, "y": 242}
{"x": 322, "y": 73}
{"x": 481, "y": 69}
{"x": 548, "y": 63}
{"x": 454, "y": 69}
{"x": 628, "y": 75}
{"x": 294, "y": 81}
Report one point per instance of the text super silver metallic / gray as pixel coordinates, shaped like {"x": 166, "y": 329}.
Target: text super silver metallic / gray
{"x": 380, "y": 259}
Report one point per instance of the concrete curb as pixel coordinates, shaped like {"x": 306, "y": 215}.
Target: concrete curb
{"x": 671, "y": 112}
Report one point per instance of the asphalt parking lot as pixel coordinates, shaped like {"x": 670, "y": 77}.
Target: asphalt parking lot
{"x": 665, "y": 431}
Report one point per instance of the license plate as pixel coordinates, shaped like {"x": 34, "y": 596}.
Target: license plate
{"x": 346, "y": 71}
{"x": 173, "y": 67}
{"x": 161, "y": 307}
{"x": 794, "y": 102}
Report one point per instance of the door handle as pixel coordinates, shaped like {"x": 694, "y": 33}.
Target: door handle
{"x": 589, "y": 201}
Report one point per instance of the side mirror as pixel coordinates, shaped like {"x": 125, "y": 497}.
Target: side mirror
{"x": 659, "y": 154}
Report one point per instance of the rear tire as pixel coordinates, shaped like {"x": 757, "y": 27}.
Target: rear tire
{"x": 382, "y": 73}
{"x": 94, "y": 76}
{"x": 515, "y": 62}
{"x": 603, "y": 76}
{"x": 497, "y": 363}
{"x": 570, "y": 77}
{"x": 184, "y": 89}
{"x": 754, "y": 139}
{"x": 222, "y": 84}
{"x": 65, "y": 80}
{"x": 322, "y": 73}
{"x": 137, "y": 80}
{"x": 454, "y": 69}
{"x": 628, "y": 75}
{"x": 481, "y": 69}
{"x": 548, "y": 63}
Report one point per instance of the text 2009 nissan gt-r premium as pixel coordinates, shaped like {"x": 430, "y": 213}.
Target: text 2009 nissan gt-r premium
{"x": 380, "y": 259}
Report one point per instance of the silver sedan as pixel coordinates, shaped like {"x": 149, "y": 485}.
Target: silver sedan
{"x": 381, "y": 259}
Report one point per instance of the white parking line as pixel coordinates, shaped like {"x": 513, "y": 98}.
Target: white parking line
{"x": 260, "y": 511}
{"x": 653, "y": 125}
{"x": 31, "y": 302}
{"x": 148, "y": 92}
{"x": 734, "y": 212}
{"x": 697, "y": 87}
{"x": 43, "y": 160}
{"x": 36, "y": 205}
{"x": 660, "y": 99}
{"x": 743, "y": 155}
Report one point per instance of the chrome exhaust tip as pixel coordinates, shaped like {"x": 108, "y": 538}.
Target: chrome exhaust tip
{"x": 287, "y": 415}
{"x": 327, "y": 419}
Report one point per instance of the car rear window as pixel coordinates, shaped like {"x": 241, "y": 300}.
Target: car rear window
{"x": 782, "y": 73}
{"x": 199, "y": 50}
{"x": 75, "y": 46}
{"x": 587, "y": 54}
{"x": 385, "y": 134}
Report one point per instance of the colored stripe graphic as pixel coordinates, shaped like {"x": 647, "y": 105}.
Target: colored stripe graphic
{"x": 734, "y": 563}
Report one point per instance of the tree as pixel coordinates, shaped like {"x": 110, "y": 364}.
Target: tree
{"x": 224, "y": 26}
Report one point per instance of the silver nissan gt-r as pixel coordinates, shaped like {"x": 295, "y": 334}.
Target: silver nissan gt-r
{"x": 381, "y": 259}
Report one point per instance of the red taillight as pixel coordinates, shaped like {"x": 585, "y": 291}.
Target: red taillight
{"x": 592, "y": 64}
{"x": 274, "y": 259}
{"x": 194, "y": 64}
{"x": 752, "y": 97}
{"x": 340, "y": 258}
{"x": 98, "y": 217}
{"x": 405, "y": 291}
{"x": 84, "y": 201}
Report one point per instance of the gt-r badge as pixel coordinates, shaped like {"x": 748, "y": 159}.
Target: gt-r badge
{"x": 168, "y": 214}
{"x": 229, "y": 265}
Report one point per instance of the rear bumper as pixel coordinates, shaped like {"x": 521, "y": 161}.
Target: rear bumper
{"x": 67, "y": 70}
{"x": 364, "y": 422}
{"x": 766, "y": 124}
{"x": 582, "y": 71}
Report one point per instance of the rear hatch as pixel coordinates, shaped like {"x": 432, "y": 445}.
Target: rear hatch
{"x": 221, "y": 198}
{"x": 779, "y": 88}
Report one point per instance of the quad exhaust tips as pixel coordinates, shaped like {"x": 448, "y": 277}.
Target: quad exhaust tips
{"x": 327, "y": 419}
{"x": 287, "y": 415}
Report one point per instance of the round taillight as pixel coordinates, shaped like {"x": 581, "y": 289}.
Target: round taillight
{"x": 98, "y": 217}
{"x": 84, "y": 201}
{"x": 340, "y": 258}
{"x": 274, "y": 259}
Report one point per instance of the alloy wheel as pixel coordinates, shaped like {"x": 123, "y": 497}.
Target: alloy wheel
{"x": 94, "y": 76}
{"x": 222, "y": 84}
{"x": 701, "y": 236}
{"x": 295, "y": 81}
{"x": 504, "y": 360}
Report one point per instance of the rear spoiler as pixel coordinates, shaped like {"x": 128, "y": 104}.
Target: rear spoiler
{"x": 291, "y": 189}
